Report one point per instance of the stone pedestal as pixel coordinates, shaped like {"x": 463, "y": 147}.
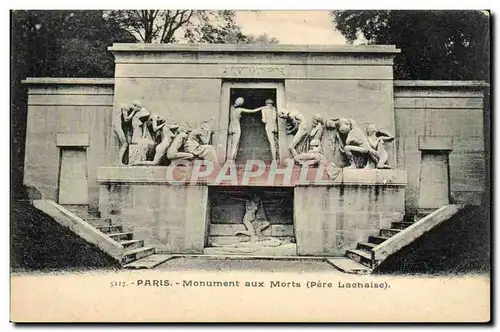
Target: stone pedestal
{"x": 330, "y": 218}
{"x": 168, "y": 216}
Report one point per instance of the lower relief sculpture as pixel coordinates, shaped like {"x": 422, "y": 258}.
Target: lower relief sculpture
{"x": 255, "y": 221}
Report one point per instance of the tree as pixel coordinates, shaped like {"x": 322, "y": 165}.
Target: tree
{"x": 54, "y": 43}
{"x": 448, "y": 45}
{"x": 63, "y": 43}
{"x": 435, "y": 45}
{"x": 73, "y": 43}
{"x": 260, "y": 39}
{"x": 170, "y": 26}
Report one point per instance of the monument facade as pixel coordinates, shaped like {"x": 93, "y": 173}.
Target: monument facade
{"x": 255, "y": 149}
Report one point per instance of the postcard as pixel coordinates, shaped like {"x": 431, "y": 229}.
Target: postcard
{"x": 250, "y": 166}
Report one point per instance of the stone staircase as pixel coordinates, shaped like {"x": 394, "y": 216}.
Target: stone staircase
{"x": 363, "y": 252}
{"x": 363, "y": 260}
{"x": 136, "y": 255}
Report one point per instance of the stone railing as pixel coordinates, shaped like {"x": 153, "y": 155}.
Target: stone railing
{"x": 409, "y": 234}
{"x": 80, "y": 227}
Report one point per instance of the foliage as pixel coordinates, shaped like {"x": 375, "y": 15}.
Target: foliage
{"x": 65, "y": 43}
{"x": 448, "y": 45}
{"x": 192, "y": 26}
{"x": 73, "y": 43}
{"x": 55, "y": 44}
{"x": 261, "y": 39}
{"x": 170, "y": 26}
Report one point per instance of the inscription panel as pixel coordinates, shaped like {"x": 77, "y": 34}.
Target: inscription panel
{"x": 158, "y": 70}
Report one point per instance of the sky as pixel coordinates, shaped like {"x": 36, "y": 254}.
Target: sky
{"x": 291, "y": 27}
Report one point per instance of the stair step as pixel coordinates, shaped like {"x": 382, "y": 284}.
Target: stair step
{"x": 388, "y": 232}
{"x": 98, "y": 221}
{"x": 360, "y": 256}
{"x": 132, "y": 244}
{"x": 94, "y": 214}
{"x": 377, "y": 239}
{"x": 81, "y": 210}
{"x": 401, "y": 225}
{"x": 135, "y": 254}
{"x": 148, "y": 262}
{"x": 409, "y": 218}
{"x": 121, "y": 236}
{"x": 347, "y": 265}
{"x": 110, "y": 229}
{"x": 366, "y": 246}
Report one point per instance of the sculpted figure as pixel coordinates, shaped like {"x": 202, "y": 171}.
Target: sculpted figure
{"x": 255, "y": 219}
{"x": 313, "y": 157}
{"x": 173, "y": 152}
{"x": 235, "y": 126}
{"x": 140, "y": 117}
{"x": 141, "y": 140}
{"x": 269, "y": 119}
{"x": 122, "y": 127}
{"x": 295, "y": 125}
{"x": 163, "y": 132}
{"x": 377, "y": 138}
{"x": 352, "y": 139}
{"x": 198, "y": 142}
{"x": 317, "y": 131}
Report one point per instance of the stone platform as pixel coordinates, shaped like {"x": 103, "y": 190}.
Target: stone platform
{"x": 329, "y": 216}
{"x": 289, "y": 249}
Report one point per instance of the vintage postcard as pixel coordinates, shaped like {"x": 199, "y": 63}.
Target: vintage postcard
{"x": 250, "y": 166}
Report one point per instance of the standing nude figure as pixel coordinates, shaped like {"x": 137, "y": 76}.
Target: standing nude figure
{"x": 297, "y": 126}
{"x": 235, "y": 126}
{"x": 269, "y": 119}
{"x": 122, "y": 128}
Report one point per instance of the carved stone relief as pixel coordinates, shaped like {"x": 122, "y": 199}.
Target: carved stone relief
{"x": 151, "y": 140}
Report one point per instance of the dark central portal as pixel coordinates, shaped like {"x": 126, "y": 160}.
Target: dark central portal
{"x": 234, "y": 211}
{"x": 253, "y": 142}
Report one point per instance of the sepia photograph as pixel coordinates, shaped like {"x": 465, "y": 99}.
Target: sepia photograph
{"x": 249, "y": 166}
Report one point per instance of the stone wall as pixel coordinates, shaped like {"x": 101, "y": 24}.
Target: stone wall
{"x": 191, "y": 83}
{"x": 66, "y": 106}
{"x": 334, "y": 217}
{"x": 441, "y": 111}
{"x": 171, "y": 218}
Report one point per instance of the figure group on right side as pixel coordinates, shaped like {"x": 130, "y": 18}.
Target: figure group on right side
{"x": 360, "y": 149}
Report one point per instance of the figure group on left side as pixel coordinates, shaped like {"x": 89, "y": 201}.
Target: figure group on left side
{"x": 148, "y": 139}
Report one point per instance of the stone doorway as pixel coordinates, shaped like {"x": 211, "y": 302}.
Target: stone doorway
{"x": 434, "y": 180}
{"x": 254, "y": 144}
{"x": 273, "y": 230}
{"x": 73, "y": 178}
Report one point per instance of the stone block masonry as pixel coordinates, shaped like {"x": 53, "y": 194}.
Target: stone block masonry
{"x": 171, "y": 218}
{"x": 332, "y": 218}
